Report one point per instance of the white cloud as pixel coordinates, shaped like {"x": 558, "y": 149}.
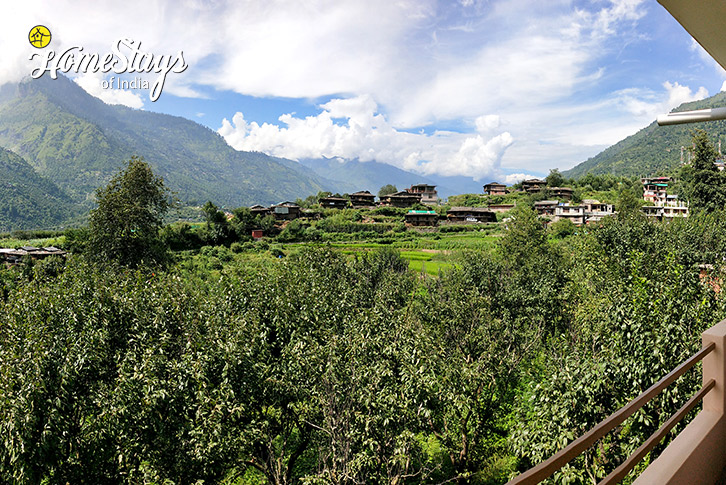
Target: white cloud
{"x": 92, "y": 84}
{"x": 542, "y": 73}
{"x": 647, "y": 105}
{"x": 513, "y": 178}
{"x": 367, "y": 135}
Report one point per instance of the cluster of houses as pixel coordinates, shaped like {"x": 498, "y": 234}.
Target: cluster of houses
{"x": 588, "y": 211}
{"x": 661, "y": 204}
{"x": 414, "y": 195}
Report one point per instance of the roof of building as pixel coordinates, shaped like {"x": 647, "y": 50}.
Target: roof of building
{"x": 402, "y": 193}
{"x": 287, "y": 203}
{"x": 469, "y": 209}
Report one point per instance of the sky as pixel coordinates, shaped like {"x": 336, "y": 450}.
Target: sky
{"x": 493, "y": 90}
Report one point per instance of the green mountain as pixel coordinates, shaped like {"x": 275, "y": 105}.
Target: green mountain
{"x": 79, "y": 142}
{"x": 28, "y": 200}
{"x": 655, "y": 149}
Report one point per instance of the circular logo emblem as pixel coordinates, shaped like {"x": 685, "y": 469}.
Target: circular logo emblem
{"x": 39, "y": 36}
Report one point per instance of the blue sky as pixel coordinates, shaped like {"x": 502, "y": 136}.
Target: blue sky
{"x": 488, "y": 89}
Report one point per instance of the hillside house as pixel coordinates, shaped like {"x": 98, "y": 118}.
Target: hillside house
{"x": 471, "y": 215}
{"x": 595, "y": 210}
{"x": 495, "y": 188}
{"x": 333, "y": 202}
{"x": 422, "y": 218}
{"x": 428, "y": 193}
{"x": 362, "y": 198}
{"x": 655, "y": 189}
{"x": 15, "y": 256}
{"x": 500, "y": 207}
{"x": 562, "y": 192}
{"x": 258, "y": 210}
{"x": 286, "y": 211}
{"x": 532, "y": 186}
{"x": 401, "y": 199}
{"x": 574, "y": 213}
{"x": 546, "y": 207}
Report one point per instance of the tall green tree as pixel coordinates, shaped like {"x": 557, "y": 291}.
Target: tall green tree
{"x": 702, "y": 184}
{"x": 125, "y": 225}
{"x": 387, "y": 189}
{"x": 555, "y": 179}
{"x": 217, "y": 230}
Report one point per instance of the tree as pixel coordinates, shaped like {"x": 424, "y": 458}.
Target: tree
{"x": 217, "y": 230}
{"x": 131, "y": 208}
{"x": 703, "y": 185}
{"x": 387, "y": 189}
{"x": 629, "y": 202}
{"x": 525, "y": 237}
{"x": 555, "y": 179}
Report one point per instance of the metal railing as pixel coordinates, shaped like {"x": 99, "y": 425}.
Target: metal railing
{"x": 548, "y": 467}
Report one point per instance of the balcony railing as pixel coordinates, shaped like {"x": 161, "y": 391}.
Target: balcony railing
{"x": 697, "y": 455}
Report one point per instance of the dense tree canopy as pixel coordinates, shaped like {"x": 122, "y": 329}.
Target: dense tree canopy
{"x": 344, "y": 366}
{"x": 387, "y": 189}
{"x": 125, "y": 225}
{"x": 703, "y": 186}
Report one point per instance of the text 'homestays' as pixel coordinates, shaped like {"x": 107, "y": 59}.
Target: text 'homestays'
{"x": 126, "y": 57}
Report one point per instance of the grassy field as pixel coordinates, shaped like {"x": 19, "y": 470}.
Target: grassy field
{"x": 427, "y": 252}
{"x": 12, "y": 242}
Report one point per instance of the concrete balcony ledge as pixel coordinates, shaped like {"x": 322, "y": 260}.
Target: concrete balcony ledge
{"x": 698, "y": 454}
{"x": 695, "y": 457}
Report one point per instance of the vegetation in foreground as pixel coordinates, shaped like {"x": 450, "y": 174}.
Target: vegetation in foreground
{"x": 334, "y": 365}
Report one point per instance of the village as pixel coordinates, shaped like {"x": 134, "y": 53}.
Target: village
{"x": 659, "y": 204}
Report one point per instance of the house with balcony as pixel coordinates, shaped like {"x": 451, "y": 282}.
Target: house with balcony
{"x": 258, "y": 210}
{"x": 495, "y": 188}
{"x": 362, "y": 199}
{"x": 470, "y": 215}
{"x": 546, "y": 208}
{"x": 422, "y": 218}
{"x": 286, "y": 211}
{"x": 561, "y": 192}
{"x": 532, "y": 186}
{"x": 403, "y": 199}
{"x": 333, "y": 202}
{"x": 596, "y": 211}
{"x": 574, "y": 213}
{"x": 655, "y": 189}
{"x": 427, "y": 192}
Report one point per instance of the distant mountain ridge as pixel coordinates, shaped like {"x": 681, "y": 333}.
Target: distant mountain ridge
{"x": 354, "y": 175}
{"x": 654, "y": 150}
{"x": 69, "y": 143}
{"x": 79, "y": 142}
